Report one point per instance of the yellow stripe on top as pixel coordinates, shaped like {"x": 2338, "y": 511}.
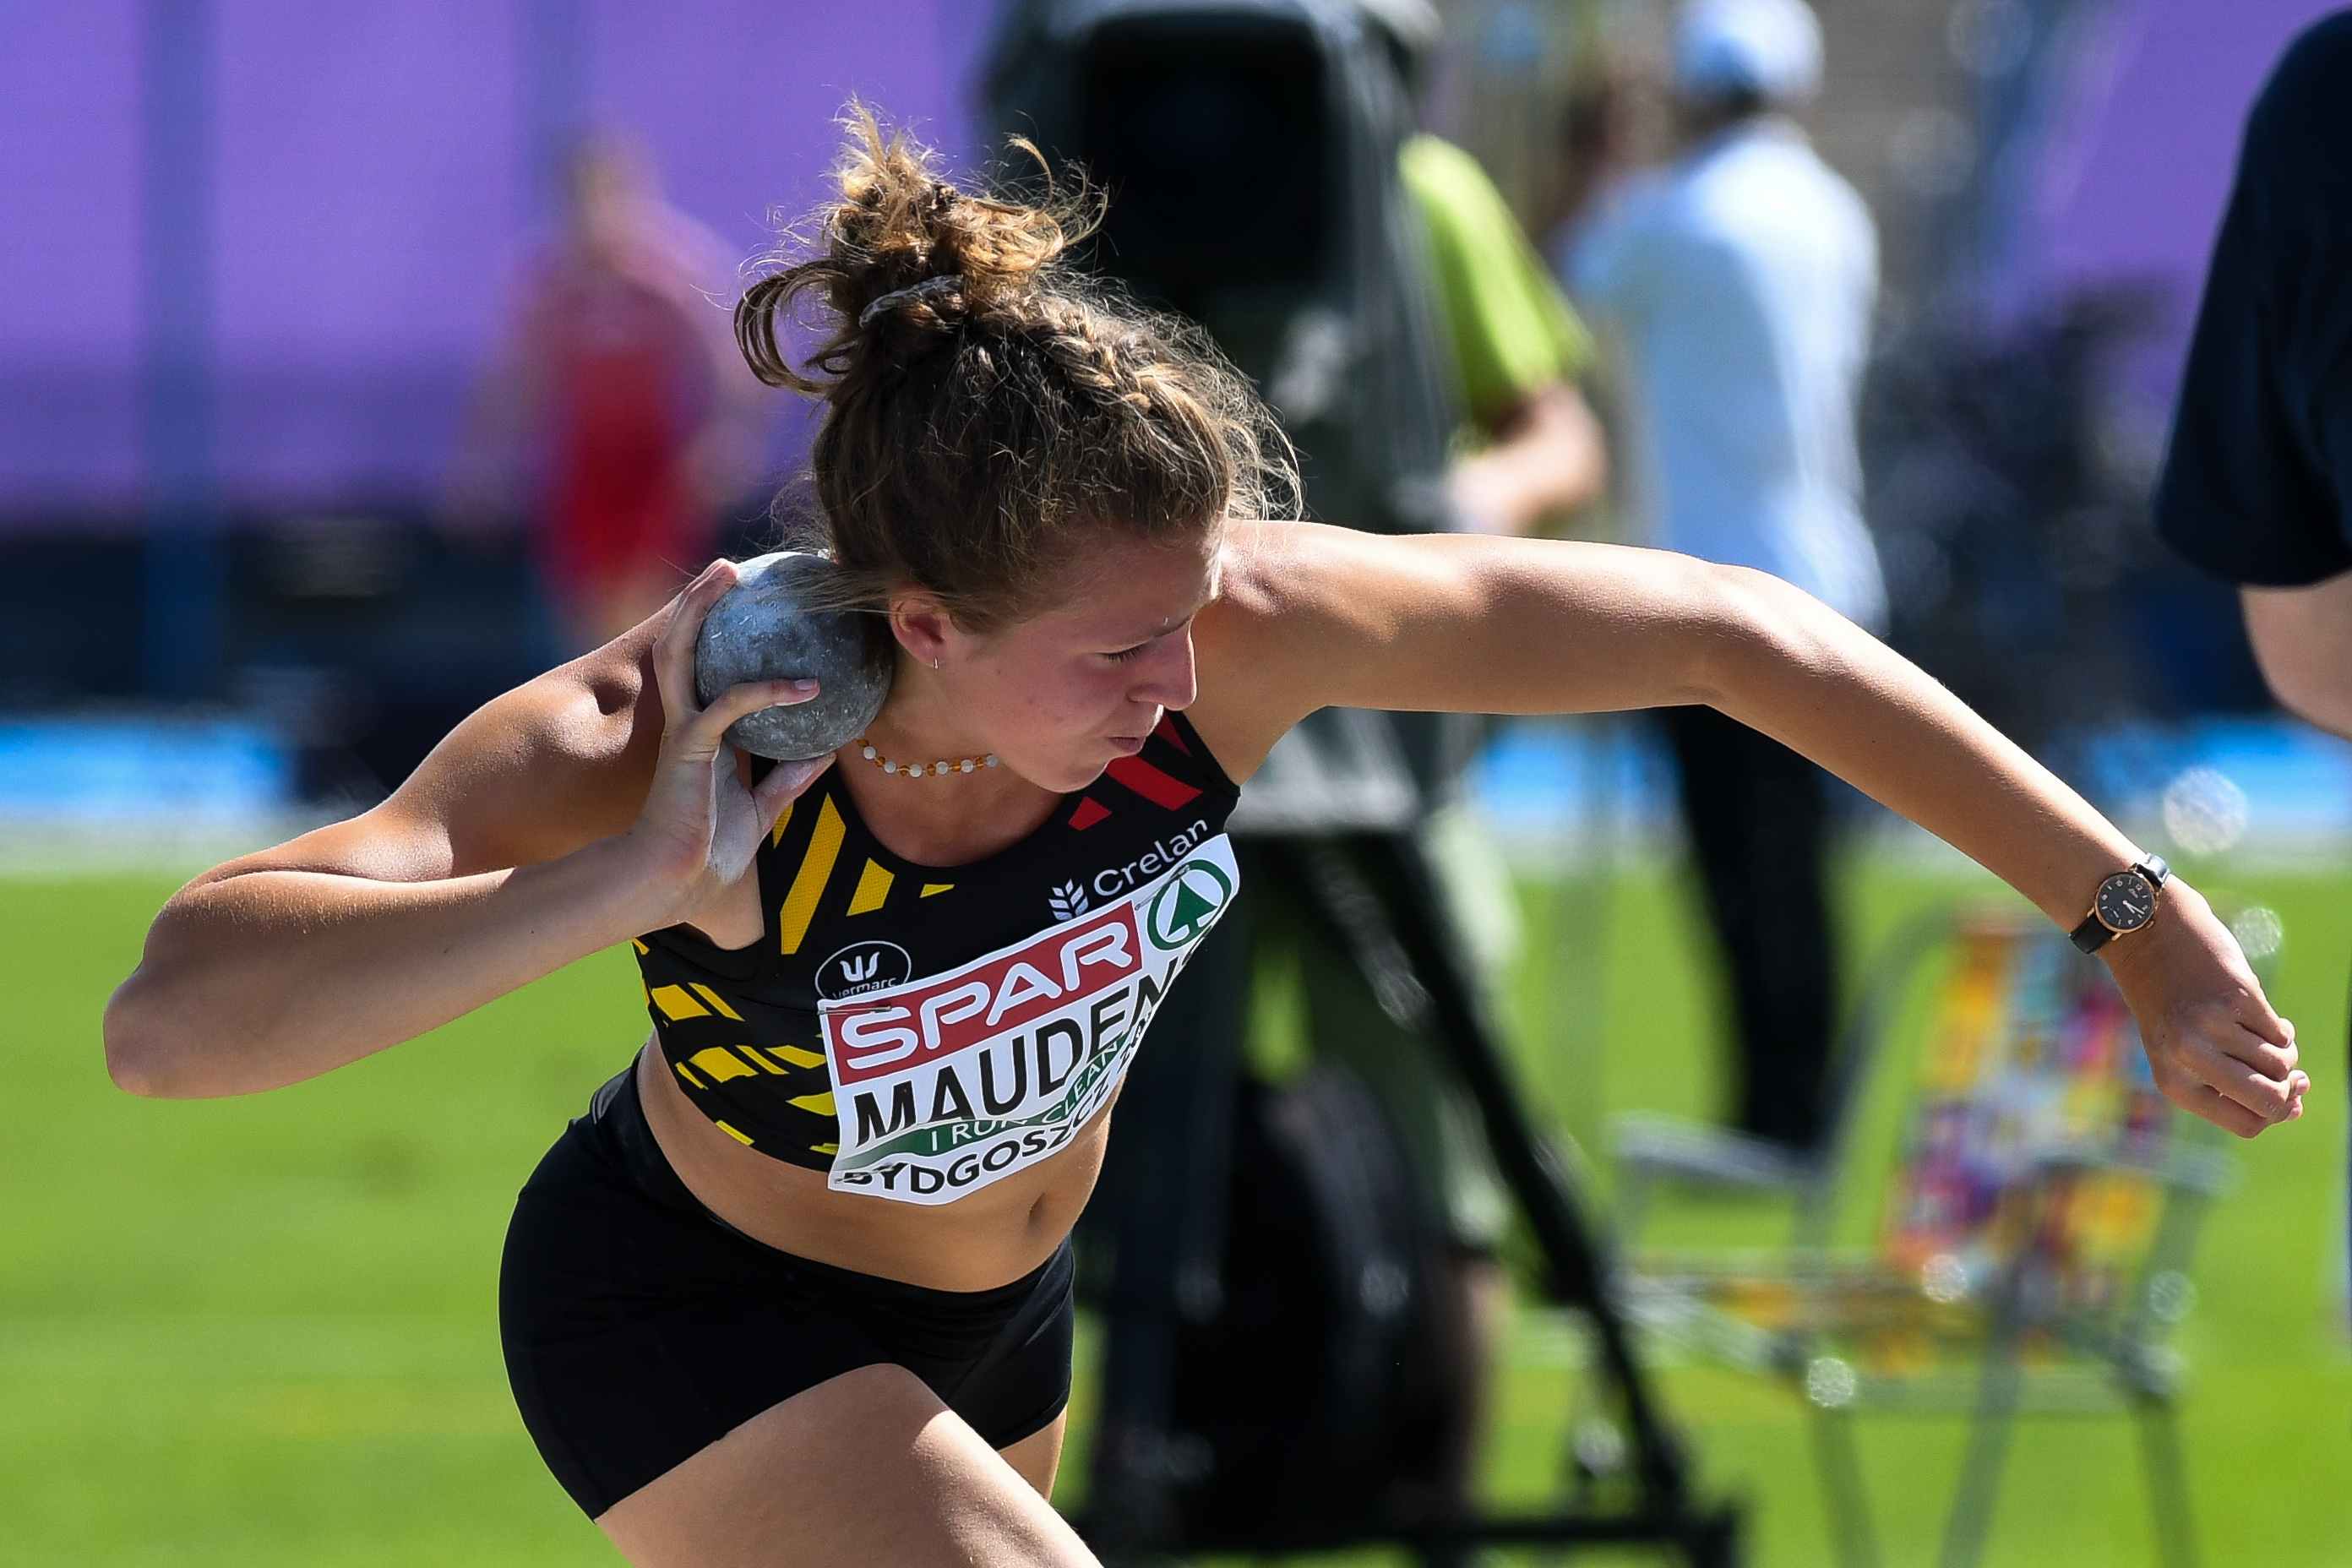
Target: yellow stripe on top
{"x": 675, "y": 1005}
{"x": 783, "y": 820}
{"x": 808, "y": 882}
{"x": 930, "y": 887}
{"x": 720, "y": 1063}
{"x": 872, "y": 887}
{"x": 717, "y": 1001}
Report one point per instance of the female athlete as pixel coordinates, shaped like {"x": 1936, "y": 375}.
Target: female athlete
{"x": 796, "y": 1290}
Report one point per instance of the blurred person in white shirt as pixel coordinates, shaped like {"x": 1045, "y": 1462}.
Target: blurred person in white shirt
{"x": 1740, "y": 281}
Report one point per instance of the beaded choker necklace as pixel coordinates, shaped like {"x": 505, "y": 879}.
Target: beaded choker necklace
{"x": 917, "y": 770}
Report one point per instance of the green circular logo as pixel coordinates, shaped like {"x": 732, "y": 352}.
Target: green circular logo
{"x": 1188, "y": 905}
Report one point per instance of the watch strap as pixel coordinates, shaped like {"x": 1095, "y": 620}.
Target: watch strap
{"x": 2092, "y": 934}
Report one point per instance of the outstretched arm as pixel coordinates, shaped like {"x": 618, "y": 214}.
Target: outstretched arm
{"x": 596, "y": 803}
{"x": 1318, "y": 617}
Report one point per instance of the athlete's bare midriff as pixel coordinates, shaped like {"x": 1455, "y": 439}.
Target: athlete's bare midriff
{"x": 989, "y": 1238}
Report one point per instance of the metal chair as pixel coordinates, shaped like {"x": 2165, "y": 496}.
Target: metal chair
{"x": 2031, "y": 1250}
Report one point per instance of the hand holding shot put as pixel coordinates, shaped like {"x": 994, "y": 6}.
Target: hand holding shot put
{"x": 702, "y": 806}
{"x": 796, "y": 1289}
{"x": 750, "y": 663}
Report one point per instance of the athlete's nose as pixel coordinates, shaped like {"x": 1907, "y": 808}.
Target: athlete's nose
{"x": 1166, "y": 677}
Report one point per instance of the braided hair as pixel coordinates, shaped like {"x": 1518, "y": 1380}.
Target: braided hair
{"x": 988, "y": 407}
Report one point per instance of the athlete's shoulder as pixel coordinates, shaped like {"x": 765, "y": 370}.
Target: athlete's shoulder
{"x": 1270, "y": 573}
{"x": 1297, "y": 603}
{"x": 1270, "y": 569}
{"x": 1288, "y": 581}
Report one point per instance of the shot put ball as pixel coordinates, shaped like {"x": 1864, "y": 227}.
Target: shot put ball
{"x": 763, "y": 629}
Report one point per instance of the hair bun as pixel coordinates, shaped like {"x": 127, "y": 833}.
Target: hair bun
{"x": 931, "y": 292}
{"x": 901, "y": 243}
{"x": 991, "y": 411}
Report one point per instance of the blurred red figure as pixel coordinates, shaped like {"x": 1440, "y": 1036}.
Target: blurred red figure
{"x": 621, "y": 381}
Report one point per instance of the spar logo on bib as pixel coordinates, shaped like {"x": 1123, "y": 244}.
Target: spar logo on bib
{"x": 947, "y": 1083}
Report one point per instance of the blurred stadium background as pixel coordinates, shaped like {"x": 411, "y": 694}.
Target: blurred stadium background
{"x": 260, "y": 254}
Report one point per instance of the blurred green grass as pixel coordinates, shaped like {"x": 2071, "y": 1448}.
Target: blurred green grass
{"x": 263, "y": 1330}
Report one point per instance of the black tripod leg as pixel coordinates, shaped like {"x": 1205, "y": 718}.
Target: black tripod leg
{"x": 1164, "y": 1188}
{"x": 1379, "y": 896}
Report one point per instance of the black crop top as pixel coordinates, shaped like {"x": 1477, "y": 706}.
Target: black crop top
{"x": 961, "y": 1023}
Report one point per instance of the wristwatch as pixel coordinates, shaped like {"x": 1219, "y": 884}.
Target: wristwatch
{"x": 2123, "y": 904}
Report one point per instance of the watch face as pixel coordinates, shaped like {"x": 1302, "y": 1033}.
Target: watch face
{"x": 2125, "y": 901}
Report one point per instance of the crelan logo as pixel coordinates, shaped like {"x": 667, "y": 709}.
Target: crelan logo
{"x": 1068, "y": 902}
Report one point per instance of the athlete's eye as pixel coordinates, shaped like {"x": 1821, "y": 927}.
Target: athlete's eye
{"x": 1130, "y": 652}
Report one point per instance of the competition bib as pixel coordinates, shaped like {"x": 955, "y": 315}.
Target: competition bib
{"x": 948, "y": 1083}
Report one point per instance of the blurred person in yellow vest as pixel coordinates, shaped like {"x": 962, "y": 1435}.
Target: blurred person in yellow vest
{"x": 1531, "y": 447}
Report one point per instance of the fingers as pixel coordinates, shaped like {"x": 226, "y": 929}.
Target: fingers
{"x": 702, "y": 731}
{"x": 2252, "y": 1012}
{"x": 2219, "y": 1109}
{"x": 751, "y": 697}
{"x": 2214, "y": 1066}
{"x": 2230, "y": 1113}
{"x": 783, "y": 784}
{"x": 674, "y": 649}
{"x": 2248, "y": 1031}
{"x": 2268, "y": 1097}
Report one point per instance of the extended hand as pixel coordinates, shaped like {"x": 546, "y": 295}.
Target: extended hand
{"x": 2214, "y": 1043}
{"x": 702, "y": 823}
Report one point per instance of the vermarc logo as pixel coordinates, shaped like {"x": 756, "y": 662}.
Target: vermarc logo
{"x": 863, "y": 966}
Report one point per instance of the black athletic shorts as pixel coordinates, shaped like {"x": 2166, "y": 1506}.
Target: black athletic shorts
{"x": 640, "y": 1328}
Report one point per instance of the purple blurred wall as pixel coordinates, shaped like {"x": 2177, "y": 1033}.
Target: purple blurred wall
{"x": 376, "y": 185}
{"x": 2138, "y": 164}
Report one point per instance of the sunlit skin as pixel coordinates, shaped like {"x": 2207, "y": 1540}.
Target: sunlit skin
{"x": 600, "y": 801}
{"x": 1056, "y": 697}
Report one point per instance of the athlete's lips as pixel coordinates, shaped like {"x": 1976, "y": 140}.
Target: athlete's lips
{"x": 1130, "y": 745}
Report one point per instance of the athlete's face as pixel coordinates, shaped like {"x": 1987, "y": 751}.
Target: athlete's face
{"x": 1063, "y": 695}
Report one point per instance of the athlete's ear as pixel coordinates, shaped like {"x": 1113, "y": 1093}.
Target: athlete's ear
{"x": 922, "y": 626}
